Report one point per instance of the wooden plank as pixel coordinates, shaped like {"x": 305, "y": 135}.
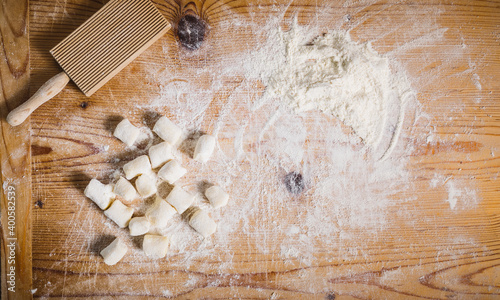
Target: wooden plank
{"x": 420, "y": 250}
{"x": 15, "y": 155}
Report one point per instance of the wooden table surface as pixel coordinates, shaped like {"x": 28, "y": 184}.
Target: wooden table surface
{"x": 432, "y": 232}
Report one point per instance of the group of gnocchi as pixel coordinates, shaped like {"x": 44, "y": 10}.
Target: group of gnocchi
{"x": 162, "y": 210}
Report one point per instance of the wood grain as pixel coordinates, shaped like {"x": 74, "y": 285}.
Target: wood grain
{"x": 15, "y": 204}
{"x": 423, "y": 250}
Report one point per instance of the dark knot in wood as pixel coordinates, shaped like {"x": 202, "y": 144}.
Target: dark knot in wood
{"x": 191, "y": 31}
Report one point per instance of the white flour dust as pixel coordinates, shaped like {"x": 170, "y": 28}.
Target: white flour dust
{"x": 337, "y": 76}
{"x": 458, "y": 197}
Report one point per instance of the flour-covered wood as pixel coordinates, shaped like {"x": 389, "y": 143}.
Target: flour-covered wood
{"x": 310, "y": 238}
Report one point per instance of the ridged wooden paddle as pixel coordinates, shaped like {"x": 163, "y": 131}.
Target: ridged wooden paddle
{"x": 98, "y": 49}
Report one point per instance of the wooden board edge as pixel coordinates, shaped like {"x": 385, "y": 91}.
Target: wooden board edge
{"x": 15, "y": 153}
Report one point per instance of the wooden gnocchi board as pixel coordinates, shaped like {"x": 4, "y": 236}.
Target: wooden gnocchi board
{"x": 434, "y": 238}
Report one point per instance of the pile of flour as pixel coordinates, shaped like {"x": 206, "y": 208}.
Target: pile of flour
{"x": 337, "y": 76}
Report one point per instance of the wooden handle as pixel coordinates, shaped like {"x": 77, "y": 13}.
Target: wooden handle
{"x": 46, "y": 92}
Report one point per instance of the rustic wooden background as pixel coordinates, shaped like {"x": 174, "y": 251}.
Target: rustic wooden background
{"x": 406, "y": 262}
{"x": 15, "y": 151}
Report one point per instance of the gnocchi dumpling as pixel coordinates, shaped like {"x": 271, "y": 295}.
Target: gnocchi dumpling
{"x": 139, "y": 226}
{"x": 180, "y": 199}
{"x": 155, "y": 246}
{"x": 172, "y": 171}
{"x": 160, "y": 213}
{"x": 101, "y": 194}
{"x": 167, "y": 130}
{"x": 114, "y": 252}
{"x": 126, "y": 132}
{"x": 125, "y": 189}
{"x": 119, "y": 213}
{"x": 160, "y": 154}
{"x": 200, "y": 221}
{"x": 204, "y": 148}
{"x": 138, "y": 166}
{"x": 146, "y": 185}
{"x": 217, "y": 196}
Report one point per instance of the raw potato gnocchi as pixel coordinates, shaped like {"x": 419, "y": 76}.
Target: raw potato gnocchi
{"x": 146, "y": 185}
{"x": 100, "y": 194}
{"x": 160, "y": 213}
{"x": 139, "y": 226}
{"x": 125, "y": 189}
{"x": 119, "y": 213}
{"x": 204, "y": 148}
{"x": 126, "y": 132}
{"x": 138, "y": 166}
{"x": 171, "y": 171}
{"x": 200, "y": 221}
{"x": 160, "y": 154}
{"x": 167, "y": 130}
{"x": 114, "y": 252}
{"x": 155, "y": 246}
{"x": 217, "y": 197}
{"x": 180, "y": 199}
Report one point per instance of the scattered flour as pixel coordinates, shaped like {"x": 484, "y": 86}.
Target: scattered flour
{"x": 460, "y": 197}
{"x": 284, "y": 100}
{"x": 335, "y": 75}
{"x": 167, "y": 293}
{"x": 274, "y": 105}
{"x": 453, "y": 194}
{"x": 278, "y": 111}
